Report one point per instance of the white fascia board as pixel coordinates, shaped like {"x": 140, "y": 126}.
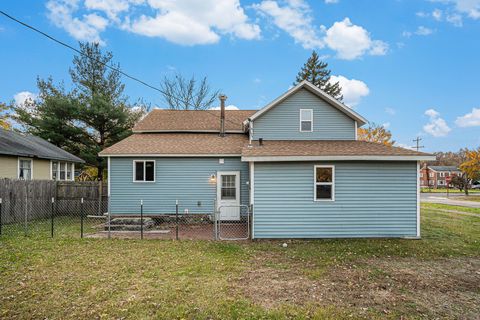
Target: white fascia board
{"x": 159, "y": 155}
{"x": 305, "y": 84}
{"x": 337, "y": 158}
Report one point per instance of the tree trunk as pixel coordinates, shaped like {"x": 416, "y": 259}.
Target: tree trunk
{"x": 100, "y": 169}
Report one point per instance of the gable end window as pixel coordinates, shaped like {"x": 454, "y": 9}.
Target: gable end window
{"x": 324, "y": 183}
{"x": 306, "y": 120}
{"x": 144, "y": 170}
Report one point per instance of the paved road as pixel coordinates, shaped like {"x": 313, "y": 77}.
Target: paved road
{"x": 442, "y": 199}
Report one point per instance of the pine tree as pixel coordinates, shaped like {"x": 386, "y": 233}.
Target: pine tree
{"x": 316, "y": 72}
{"x": 93, "y": 116}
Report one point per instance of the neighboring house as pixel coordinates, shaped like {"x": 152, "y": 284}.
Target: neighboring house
{"x": 297, "y": 161}
{"x": 436, "y": 176}
{"x": 29, "y": 157}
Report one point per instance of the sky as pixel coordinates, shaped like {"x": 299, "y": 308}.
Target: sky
{"x": 411, "y": 66}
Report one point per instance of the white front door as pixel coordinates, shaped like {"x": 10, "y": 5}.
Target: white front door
{"x": 228, "y": 195}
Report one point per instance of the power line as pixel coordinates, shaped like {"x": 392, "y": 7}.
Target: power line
{"x": 102, "y": 63}
{"x": 418, "y": 146}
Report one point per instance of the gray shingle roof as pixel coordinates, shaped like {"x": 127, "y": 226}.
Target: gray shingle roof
{"x": 16, "y": 144}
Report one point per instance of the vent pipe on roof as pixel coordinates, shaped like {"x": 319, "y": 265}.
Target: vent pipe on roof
{"x": 222, "y": 114}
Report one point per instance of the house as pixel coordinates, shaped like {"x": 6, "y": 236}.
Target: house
{"x": 29, "y": 157}
{"x": 436, "y": 176}
{"x": 297, "y": 161}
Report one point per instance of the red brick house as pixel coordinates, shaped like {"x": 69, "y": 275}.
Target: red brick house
{"x": 435, "y": 176}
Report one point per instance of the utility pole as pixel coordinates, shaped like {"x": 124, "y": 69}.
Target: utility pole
{"x": 417, "y": 141}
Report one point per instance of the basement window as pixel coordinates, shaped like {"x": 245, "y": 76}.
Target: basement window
{"x": 144, "y": 171}
{"x": 306, "y": 120}
{"x": 324, "y": 183}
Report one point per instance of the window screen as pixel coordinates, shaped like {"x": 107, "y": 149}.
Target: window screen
{"x": 144, "y": 171}
{"x": 324, "y": 183}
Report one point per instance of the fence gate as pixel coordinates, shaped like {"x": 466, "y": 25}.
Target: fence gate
{"x": 236, "y": 229}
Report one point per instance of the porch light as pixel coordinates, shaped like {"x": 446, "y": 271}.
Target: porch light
{"x": 213, "y": 178}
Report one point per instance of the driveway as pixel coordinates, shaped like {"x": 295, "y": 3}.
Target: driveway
{"x": 442, "y": 199}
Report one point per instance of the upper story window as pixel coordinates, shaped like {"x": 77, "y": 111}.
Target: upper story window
{"x": 306, "y": 120}
{"x": 25, "y": 169}
{"x": 324, "y": 183}
{"x": 144, "y": 170}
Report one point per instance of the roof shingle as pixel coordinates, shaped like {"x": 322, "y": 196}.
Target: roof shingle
{"x": 279, "y": 148}
{"x": 178, "y": 144}
{"x": 16, "y": 144}
{"x": 192, "y": 120}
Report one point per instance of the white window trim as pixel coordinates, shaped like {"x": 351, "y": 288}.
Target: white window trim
{"x": 31, "y": 167}
{"x": 300, "y": 117}
{"x": 315, "y": 183}
{"x": 70, "y": 165}
{"x": 144, "y": 171}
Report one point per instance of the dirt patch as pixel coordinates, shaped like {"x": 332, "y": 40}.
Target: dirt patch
{"x": 447, "y": 288}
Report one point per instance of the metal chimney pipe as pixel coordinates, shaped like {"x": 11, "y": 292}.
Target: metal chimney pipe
{"x": 222, "y": 114}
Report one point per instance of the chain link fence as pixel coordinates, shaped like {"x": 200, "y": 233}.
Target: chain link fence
{"x": 90, "y": 218}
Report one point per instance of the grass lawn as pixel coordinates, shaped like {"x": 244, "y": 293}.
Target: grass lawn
{"x": 470, "y": 198}
{"x": 444, "y": 190}
{"x": 71, "y": 278}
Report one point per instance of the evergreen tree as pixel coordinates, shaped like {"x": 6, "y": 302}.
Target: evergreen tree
{"x": 93, "y": 116}
{"x": 316, "y": 72}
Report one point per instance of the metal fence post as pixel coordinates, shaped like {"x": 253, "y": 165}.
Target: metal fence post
{"x": 81, "y": 218}
{"x": 109, "y": 229}
{"x": 51, "y": 214}
{"x": 176, "y": 219}
{"x": 141, "y": 219}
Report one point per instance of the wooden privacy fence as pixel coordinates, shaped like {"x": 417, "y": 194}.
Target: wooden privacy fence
{"x": 32, "y": 199}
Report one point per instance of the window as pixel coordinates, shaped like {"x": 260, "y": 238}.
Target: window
{"x": 54, "y": 170}
{"x": 63, "y": 171}
{"x": 144, "y": 171}
{"x": 228, "y": 187}
{"x": 440, "y": 182}
{"x": 324, "y": 183}
{"x": 306, "y": 120}
{"x": 25, "y": 169}
{"x": 442, "y": 174}
{"x": 421, "y": 174}
{"x": 431, "y": 174}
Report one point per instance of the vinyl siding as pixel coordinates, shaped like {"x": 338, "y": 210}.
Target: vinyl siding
{"x": 184, "y": 179}
{"x": 41, "y": 169}
{"x": 372, "y": 199}
{"x": 282, "y": 122}
{"x": 8, "y": 167}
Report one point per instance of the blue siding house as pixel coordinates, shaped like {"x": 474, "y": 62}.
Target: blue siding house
{"x": 297, "y": 161}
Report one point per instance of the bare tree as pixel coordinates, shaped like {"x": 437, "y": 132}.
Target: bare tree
{"x": 188, "y": 94}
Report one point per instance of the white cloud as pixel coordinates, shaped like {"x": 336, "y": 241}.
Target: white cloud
{"x": 469, "y": 7}
{"x": 390, "y": 111}
{"x": 188, "y": 22}
{"x": 471, "y": 119}
{"x": 86, "y": 28}
{"x": 436, "y": 126}
{"x": 423, "y": 31}
{"x": 455, "y": 19}
{"x": 437, "y": 14}
{"x": 295, "y": 19}
{"x": 257, "y": 80}
{"x": 229, "y": 107}
{"x": 351, "y": 41}
{"x": 331, "y": 1}
{"x": 386, "y": 125}
{"x": 348, "y": 40}
{"x": 21, "y": 97}
{"x": 403, "y": 145}
{"x": 352, "y": 90}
